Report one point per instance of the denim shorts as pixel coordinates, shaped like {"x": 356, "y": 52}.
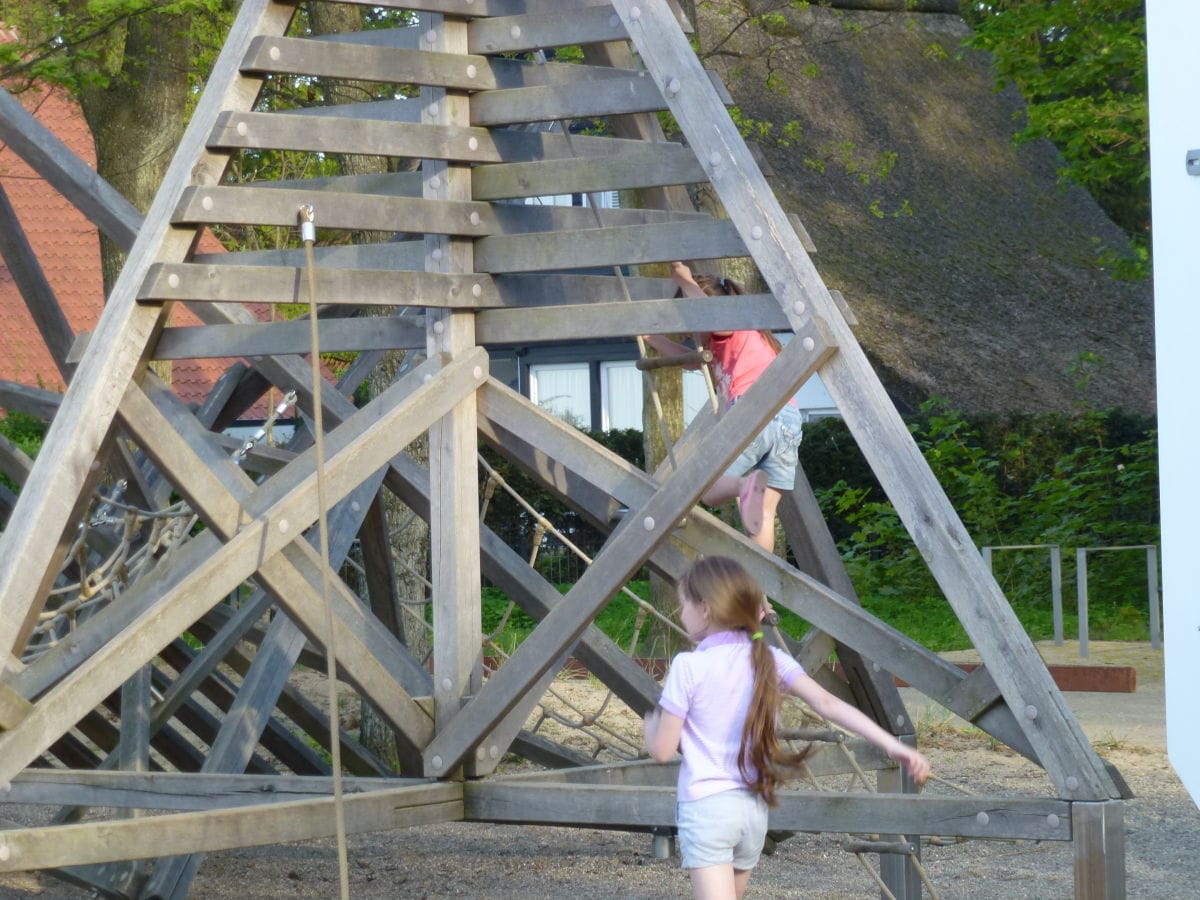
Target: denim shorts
{"x": 774, "y": 450}
{"x": 723, "y": 828}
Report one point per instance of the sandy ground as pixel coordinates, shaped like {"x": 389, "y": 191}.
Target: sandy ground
{"x": 471, "y": 860}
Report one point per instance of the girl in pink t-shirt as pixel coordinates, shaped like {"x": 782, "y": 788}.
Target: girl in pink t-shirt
{"x": 767, "y": 467}
{"x": 718, "y": 708}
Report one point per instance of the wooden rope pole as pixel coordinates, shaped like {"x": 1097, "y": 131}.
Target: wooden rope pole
{"x": 308, "y": 234}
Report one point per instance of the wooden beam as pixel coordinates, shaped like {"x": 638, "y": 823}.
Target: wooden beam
{"x": 590, "y": 806}
{"x": 37, "y": 402}
{"x": 54, "y": 161}
{"x": 628, "y": 245}
{"x": 557, "y": 27}
{"x": 1099, "y": 837}
{"x": 453, "y": 450}
{"x": 407, "y": 62}
{"x": 277, "y": 338}
{"x": 225, "y": 284}
{"x": 645, "y": 166}
{"x": 223, "y": 829}
{"x": 26, "y": 272}
{"x": 392, "y": 65}
{"x": 624, "y": 319}
{"x": 241, "y": 205}
{"x": 13, "y": 708}
{"x": 178, "y": 792}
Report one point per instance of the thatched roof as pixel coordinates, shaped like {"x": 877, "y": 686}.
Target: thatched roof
{"x": 973, "y": 273}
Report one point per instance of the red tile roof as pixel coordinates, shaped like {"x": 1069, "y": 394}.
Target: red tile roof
{"x": 67, "y": 247}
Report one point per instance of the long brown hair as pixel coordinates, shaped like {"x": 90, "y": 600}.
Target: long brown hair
{"x": 735, "y": 603}
{"x": 716, "y": 287}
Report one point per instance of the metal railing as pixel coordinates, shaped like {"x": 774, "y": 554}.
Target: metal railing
{"x": 1081, "y": 579}
{"x": 1055, "y": 578}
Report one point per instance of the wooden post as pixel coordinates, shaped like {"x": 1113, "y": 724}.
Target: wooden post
{"x": 896, "y": 870}
{"x": 453, "y": 465}
{"x": 1098, "y": 834}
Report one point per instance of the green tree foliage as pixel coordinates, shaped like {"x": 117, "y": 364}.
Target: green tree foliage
{"x": 1089, "y": 480}
{"x": 85, "y": 45}
{"x": 1081, "y": 66}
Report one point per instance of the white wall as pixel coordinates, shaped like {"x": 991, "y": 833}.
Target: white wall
{"x": 1174, "y": 34}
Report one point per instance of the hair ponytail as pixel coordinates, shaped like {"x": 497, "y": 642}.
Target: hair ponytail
{"x": 762, "y": 761}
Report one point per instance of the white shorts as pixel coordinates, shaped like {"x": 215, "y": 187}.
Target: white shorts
{"x": 723, "y": 828}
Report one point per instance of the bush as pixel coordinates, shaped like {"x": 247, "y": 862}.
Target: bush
{"x": 1086, "y": 481}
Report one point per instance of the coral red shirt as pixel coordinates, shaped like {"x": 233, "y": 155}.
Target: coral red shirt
{"x": 740, "y": 357}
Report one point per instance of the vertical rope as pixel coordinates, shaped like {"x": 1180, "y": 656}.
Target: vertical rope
{"x": 308, "y": 234}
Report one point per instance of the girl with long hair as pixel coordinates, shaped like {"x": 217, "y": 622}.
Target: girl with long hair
{"x": 718, "y": 708}
{"x": 767, "y": 467}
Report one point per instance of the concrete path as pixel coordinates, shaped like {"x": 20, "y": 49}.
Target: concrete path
{"x": 1131, "y": 719}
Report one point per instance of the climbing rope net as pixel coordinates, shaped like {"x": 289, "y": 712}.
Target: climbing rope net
{"x": 115, "y": 544}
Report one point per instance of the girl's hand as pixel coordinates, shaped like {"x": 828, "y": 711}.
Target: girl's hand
{"x": 914, "y": 763}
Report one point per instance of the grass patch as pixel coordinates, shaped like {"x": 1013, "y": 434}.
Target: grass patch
{"x": 927, "y": 620}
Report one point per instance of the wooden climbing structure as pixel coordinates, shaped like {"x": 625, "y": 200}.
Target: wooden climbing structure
{"x": 88, "y": 714}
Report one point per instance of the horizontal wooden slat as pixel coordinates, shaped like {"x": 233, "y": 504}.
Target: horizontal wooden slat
{"x": 221, "y": 341}
{"x": 559, "y": 26}
{"x": 223, "y": 829}
{"x": 251, "y": 206}
{"x": 539, "y": 322}
{"x": 608, "y": 246}
{"x": 225, "y": 284}
{"x": 640, "y": 166}
{"x": 619, "y": 319}
{"x": 32, "y": 401}
{"x": 395, "y": 62}
{"x": 375, "y": 137}
{"x": 590, "y": 805}
{"x": 329, "y": 59}
{"x": 396, "y": 110}
{"x": 393, "y": 256}
{"x": 614, "y": 96}
{"x": 179, "y": 792}
{"x": 482, "y": 8}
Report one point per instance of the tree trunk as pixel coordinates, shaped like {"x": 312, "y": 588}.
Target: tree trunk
{"x": 138, "y": 118}
{"x": 668, "y": 383}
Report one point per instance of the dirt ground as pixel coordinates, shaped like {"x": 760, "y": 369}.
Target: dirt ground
{"x": 470, "y": 860}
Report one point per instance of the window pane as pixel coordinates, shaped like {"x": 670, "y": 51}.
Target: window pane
{"x": 564, "y": 390}
{"x": 621, "y": 395}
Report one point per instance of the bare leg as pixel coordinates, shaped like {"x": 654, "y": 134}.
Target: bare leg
{"x": 766, "y": 535}
{"x": 715, "y": 883}
{"x": 722, "y": 490}
{"x": 741, "y": 878}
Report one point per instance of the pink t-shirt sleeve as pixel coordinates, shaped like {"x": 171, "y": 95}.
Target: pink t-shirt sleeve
{"x": 677, "y": 689}
{"x": 787, "y": 668}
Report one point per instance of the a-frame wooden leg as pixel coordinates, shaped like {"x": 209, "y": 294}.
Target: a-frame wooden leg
{"x": 1098, "y": 836}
